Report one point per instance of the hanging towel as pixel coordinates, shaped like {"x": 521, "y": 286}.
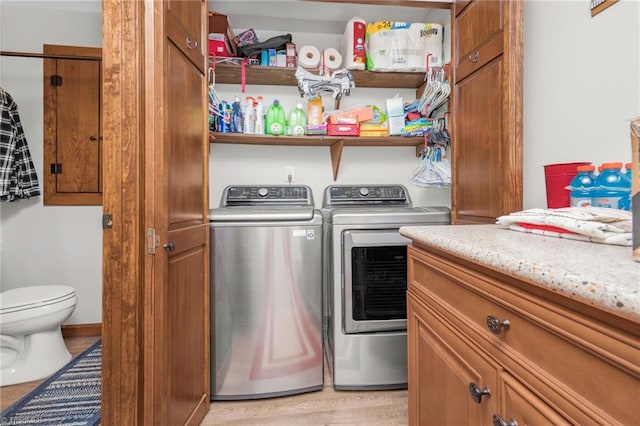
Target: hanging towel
{"x": 595, "y": 224}
{"x": 18, "y": 178}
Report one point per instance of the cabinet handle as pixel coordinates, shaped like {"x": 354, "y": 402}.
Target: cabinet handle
{"x": 476, "y": 392}
{"x": 170, "y": 246}
{"x": 495, "y": 325}
{"x": 191, "y": 45}
{"x": 474, "y": 57}
{"x": 499, "y": 421}
{"x": 93, "y": 138}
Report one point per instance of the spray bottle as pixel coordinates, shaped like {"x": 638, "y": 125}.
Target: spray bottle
{"x": 249, "y": 115}
{"x": 259, "y": 128}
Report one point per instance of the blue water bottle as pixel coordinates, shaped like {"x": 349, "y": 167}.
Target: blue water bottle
{"x": 612, "y": 187}
{"x": 582, "y": 187}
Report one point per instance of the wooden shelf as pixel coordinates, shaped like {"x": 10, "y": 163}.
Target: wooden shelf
{"x": 335, "y": 143}
{"x": 278, "y": 76}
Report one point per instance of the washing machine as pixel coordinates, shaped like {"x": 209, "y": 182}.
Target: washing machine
{"x": 266, "y": 293}
{"x": 365, "y": 282}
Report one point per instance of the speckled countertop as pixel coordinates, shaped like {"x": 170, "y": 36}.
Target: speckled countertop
{"x": 602, "y": 275}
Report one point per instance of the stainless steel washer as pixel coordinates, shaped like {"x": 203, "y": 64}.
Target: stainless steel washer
{"x": 365, "y": 282}
{"x": 266, "y": 293}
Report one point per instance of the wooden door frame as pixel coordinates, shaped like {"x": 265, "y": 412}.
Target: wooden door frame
{"x": 124, "y": 261}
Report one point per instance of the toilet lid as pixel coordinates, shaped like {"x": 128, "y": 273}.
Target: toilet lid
{"x": 21, "y": 298}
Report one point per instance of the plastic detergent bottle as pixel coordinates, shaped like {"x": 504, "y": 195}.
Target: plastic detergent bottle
{"x": 297, "y": 121}
{"x": 582, "y": 187}
{"x": 249, "y": 115}
{"x": 612, "y": 187}
{"x": 276, "y": 121}
{"x": 237, "y": 124}
{"x": 259, "y": 127}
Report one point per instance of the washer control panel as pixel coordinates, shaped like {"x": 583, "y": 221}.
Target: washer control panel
{"x": 259, "y": 195}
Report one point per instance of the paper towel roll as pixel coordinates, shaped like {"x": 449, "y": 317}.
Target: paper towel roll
{"x": 309, "y": 57}
{"x": 332, "y": 59}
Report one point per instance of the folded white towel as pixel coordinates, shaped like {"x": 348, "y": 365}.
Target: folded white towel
{"x": 597, "y": 224}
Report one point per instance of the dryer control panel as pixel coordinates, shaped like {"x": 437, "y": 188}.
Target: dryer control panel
{"x": 341, "y": 195}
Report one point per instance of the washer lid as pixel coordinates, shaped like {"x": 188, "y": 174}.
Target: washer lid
{"x": 252, "y": 214}
{"x": 29, "y": 297}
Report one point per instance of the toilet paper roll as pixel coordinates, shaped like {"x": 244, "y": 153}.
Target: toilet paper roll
{"x": 309, "y": 57}
{"x": 332, "y": 59}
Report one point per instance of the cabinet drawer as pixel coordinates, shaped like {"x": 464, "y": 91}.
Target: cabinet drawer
{"x": 478, "y": 36}
{"x": 564, "y": 354}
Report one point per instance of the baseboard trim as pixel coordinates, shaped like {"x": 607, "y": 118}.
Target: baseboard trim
{"x": 81, "y": 330}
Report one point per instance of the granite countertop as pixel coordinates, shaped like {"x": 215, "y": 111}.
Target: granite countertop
{"x": 601, "y": 275}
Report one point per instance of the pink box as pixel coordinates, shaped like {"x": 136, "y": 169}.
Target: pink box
{"x": 343, "y": 129}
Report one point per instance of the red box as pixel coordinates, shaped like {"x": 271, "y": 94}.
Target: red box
{"x": 219, "y": 45}
{"x": 343, "y": 129}
{"x": 219, "y": 24}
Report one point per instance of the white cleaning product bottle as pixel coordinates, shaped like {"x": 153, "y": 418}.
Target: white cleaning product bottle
{"x": 249, "y": 115}
{"x": 259, "y": 127}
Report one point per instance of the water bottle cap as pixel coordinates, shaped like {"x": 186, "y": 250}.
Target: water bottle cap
{"x": 587, "y": 168}
{"x": 616, "y": 165}
{"x": 299, "y": 106}
{"x": 276, "y": 102}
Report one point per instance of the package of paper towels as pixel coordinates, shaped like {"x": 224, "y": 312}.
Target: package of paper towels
{"x": 352, "y": 46}
{"x": 403, "y": 46}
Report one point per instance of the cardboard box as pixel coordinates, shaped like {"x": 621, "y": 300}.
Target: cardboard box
{"x": 320, "y": 129}
{"x": 343, "y": 129}
{"x": 219, "y": 24}
{"x": 219, "y": 45}
{"x": 635, "y": 187}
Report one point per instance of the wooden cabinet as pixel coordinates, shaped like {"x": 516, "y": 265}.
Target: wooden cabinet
{"x": 487, "y": 110}
{"x": 535, "y": 356}
{"x": 72, "y": 125}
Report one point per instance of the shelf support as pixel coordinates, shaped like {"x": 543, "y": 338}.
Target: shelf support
{"x": 336, "y": 155}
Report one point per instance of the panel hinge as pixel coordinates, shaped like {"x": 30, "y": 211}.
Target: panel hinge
{"x": 56, "y": 168}
{"x": 107, "y": 221}
{"x": 56, "y": 80}
{"x": 153, "y": 241}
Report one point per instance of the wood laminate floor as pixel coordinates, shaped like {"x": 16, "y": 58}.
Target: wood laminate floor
{"x": 325, "y": 407}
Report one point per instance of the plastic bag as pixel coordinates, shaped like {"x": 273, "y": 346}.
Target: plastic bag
{"x": 251, "y": 50}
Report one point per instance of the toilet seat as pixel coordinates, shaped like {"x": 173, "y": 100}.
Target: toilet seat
{"x": 24, "y": 298}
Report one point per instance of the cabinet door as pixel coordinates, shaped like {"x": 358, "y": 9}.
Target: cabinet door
{"x": 181, "y": 288}
{"x": 487, "y": 111}
{"x": 442, "y": 367}
{"x": 519, "y": 404}
{"x": 72, "y": 120}
{"x": 185, "y": 28}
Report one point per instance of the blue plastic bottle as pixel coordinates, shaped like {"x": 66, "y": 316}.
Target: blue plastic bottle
{"x": 582, "y": 187}
{"x": 237, "y": 124}
{"x": 612, "y": 187}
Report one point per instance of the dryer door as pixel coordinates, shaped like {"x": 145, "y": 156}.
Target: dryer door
{"x": 374, "y": 281}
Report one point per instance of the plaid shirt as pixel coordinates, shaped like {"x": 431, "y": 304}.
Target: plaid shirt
{"x": 18, "y": 178}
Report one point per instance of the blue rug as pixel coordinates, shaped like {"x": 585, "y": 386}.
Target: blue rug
{"x": 71, "y": 396}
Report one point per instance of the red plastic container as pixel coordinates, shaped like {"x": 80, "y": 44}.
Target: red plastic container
{"x": 557, "y": 177}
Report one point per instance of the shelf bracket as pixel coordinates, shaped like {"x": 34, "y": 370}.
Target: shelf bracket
{"x": 336, "y": 155}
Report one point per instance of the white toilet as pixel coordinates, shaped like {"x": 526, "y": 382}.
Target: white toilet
{"x": 31, "y": 344}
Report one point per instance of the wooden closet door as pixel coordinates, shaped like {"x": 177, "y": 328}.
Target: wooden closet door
{"x": 487, "y": 110}
{"x": 181, "y": 217}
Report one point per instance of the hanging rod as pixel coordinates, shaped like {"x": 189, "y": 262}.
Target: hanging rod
{"x": 45, "y": 55}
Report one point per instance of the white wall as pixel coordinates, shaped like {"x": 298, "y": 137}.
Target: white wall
{"x": 581, "y": 86}
{"x": 42, "y": 244}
